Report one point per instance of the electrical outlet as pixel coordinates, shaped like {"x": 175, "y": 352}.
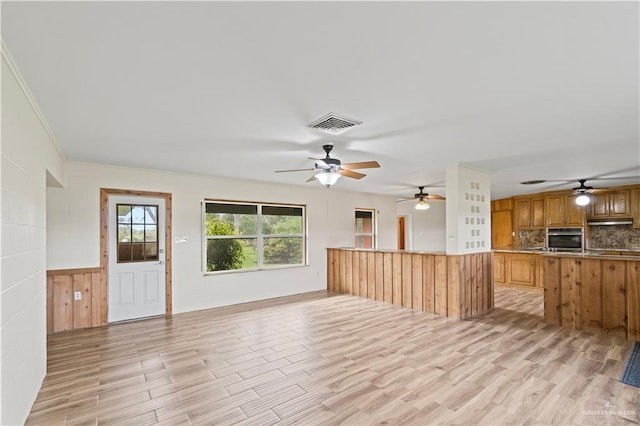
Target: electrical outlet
{"x": 77, "y": 295}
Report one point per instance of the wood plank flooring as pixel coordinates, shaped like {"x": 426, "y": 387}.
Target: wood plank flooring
{"x": 334, "y": 359}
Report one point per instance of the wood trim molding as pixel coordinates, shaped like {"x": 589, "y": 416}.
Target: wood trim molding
{"x": 104, "y": 247}
{"x": 72, "y": 271}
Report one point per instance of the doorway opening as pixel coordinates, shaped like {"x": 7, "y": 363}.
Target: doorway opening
{"x": 136, "y": 257}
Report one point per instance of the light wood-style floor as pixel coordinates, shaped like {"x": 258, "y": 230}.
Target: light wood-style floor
{"x": 336, "y": 359}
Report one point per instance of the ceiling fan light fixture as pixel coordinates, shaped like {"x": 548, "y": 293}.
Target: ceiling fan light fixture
{"x": 328, "y": 178}
{"x": 582, "y": 199}
{"x": 421, "y": 205}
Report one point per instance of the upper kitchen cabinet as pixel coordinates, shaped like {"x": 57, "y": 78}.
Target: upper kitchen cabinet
{"x": 502, "y": 223}
{"x": 635, "y": 199}
{"x": 562, "y": 211}
{"x": 529, "y": 212}
{"x": 611, "y": 205}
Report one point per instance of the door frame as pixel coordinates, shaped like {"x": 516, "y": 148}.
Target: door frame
{"x": 408, "y": 229}
{"x": 104, "y": 244}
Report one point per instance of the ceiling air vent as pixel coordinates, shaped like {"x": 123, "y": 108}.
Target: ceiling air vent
{"x": 333, "y": 123}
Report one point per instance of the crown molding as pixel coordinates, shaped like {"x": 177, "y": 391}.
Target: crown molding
{"x": 8, "y": 59}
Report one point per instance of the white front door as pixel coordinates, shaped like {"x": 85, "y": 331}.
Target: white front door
{"x": 136, "y": 281}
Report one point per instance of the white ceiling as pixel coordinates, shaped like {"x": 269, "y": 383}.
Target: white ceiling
{"x": 535, "y": 90}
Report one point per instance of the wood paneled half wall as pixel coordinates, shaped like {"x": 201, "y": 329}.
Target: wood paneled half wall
{"x": 66, "y": 313}
{"x": 457, "y": 286}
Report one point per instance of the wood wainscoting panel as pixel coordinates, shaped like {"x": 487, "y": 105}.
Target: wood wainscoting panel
{"x": 591, "y": 300}
{"x": 593, "y": 294}
{"x": 614, "y": 309}
{"x": 440, "y": 302}
{"x": 379, "y": 275}
{"x": 552, "y": 299}
{"x": 428, "y": 280}
{"x": 63, "y": 311}
{"x": 406, "y": 276}
{"x": 633, "y": 300}
{"x": 417, "y": 282}
{"x": 457, "y": 286}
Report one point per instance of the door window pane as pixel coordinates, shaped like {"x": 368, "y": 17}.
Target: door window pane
{"x": 137, "y": 229}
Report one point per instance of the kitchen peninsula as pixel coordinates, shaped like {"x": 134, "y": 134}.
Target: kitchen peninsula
{"x": 457, "y": 286}
{"x": 594, "y": 290}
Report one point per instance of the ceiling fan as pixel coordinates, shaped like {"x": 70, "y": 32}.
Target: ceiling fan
{"x": 581, "y": 191}
{"x": 422, "y": 198}
{"x": 328, "y": 170}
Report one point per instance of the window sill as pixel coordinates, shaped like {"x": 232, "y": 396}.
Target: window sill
{"x": 241, "y": 271}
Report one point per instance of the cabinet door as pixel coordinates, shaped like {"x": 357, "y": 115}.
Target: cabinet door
{"x": 523, "y": 213}
{"x": 501, "y": 229}
{"x": 574, "y": 214}
{"x": 636, "y": 207}
{"x": 619, "y": 204}
{"x": 498, "y": 268}
{"x": 537, "y": 213}
{"x": 600, "y": 206}
{"x": 554, "y": 208}
{"x": 521, "y": 270}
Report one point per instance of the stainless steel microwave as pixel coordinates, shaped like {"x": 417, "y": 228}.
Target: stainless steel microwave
{"x": 565, "y": 239}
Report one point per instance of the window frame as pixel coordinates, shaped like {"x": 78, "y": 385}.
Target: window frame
{"x": 374, "y": 228}
{"x": 259, "y": 236}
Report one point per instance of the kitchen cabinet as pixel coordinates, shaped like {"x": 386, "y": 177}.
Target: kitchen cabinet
{"x": 611, "y": 205}
{"x": 529, "y": 212}
{"x": 498, "y": 268}
{"x": 517, "y": 269}
{"x": 635, "y": 199}
{"x": 501, "y": 229}
{"x": 561, "y": 210}
{"x": 502, "y": 223}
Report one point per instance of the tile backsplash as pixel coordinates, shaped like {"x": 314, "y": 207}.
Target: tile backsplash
{"x": 623, "y": 237}
{"x": 616, "y": 237}
{"x": 530, "y": 238}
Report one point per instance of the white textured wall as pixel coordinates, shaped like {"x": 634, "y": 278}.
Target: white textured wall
{"x": 426, "y": 228}
{"x": 27, "y": 153}
{"x": 464, "y": 232}
{"x": 73, "y": 229}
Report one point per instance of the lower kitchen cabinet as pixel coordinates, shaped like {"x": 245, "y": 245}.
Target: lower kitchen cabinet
{"x": 517, "y": 270}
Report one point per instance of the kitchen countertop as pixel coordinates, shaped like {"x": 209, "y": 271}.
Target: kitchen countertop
{"x": 595, "y": 254}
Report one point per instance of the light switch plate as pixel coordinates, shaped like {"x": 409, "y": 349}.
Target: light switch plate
{"x": 77, "y": 295}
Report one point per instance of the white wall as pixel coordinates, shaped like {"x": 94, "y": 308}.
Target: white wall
{"x": 74, "y": 238}
{"x": 27, "y": 153}
{"x": 426, "y": 229}
{"x": 468, "y": 209}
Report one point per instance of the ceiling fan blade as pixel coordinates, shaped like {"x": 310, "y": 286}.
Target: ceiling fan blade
{"x": 311, "y": 179}
{"x": 406, "y": 198}
{"x": 350, "y": 174}
{"x": 435, "y": 197}
{"x": 361, "y": 165}
{"x": 294, "y": 170}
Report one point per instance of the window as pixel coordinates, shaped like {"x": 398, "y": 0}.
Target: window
{"x": 252, "y": 236}
{"x": 137, "y": 233}
{"x": 365, "y": 229}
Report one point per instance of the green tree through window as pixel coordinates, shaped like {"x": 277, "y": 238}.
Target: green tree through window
{"x": 222, "y": 254}
{"x": 253, "y": 236}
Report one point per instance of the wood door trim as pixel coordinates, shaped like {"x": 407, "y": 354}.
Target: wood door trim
{"x": 104, "y": 243}
{"x": 72, "y": 271}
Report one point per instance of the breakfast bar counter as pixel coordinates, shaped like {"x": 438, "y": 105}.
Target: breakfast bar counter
{"x": 593, "y": 292}
{"x": 457, "y": 286}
